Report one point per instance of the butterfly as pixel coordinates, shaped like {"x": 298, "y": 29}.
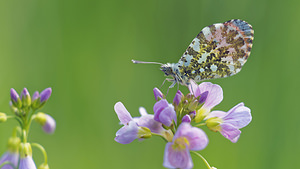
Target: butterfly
{"x": 219, "y": 50}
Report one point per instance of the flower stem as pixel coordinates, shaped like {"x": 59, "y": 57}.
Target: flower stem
{"x": 154, "y": 134}
{"x": 204, "y": 160}
{"x": 201, "y": 124}
{"x": 9, "y": 163}
{"x": 43, "y": 151}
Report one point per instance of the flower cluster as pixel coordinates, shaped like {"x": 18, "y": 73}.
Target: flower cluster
{"x": 179, "y": 122}
{"x": 25, "y": 110}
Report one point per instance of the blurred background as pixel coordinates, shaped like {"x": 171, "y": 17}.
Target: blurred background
{"x": 83, "y": 50}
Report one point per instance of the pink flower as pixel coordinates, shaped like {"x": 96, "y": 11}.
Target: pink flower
{"x": 186, "y": 138}
{"x": 229, "y": 123}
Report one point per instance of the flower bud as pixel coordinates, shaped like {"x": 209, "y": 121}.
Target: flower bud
{"x": 178, "y": 97}
{"x": 3, "y": 117}
{"x": 35, "y": 100}
{"x": 43, "y": 166}
{"x": 15, "y": 98}
{"x": 14, "y": 144}
{"x": 186, "y": 118}
{"x": 44, "y": 96}
{"x": 25, "y": 97}
{"x": 158, "y": 94}
{"x": 46, "y": 121}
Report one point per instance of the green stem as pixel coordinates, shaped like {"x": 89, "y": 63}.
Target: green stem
{"x": 24, "y": 136}
{"x": 201, "y": 124}
{"x": 9, "y": 163}
{"x": 29, "y": 123}
{"x": 19, "y": 120}
{"x": 207, "y": 165}
{"x": 43, "y": 151}
{"x": 154, "y": 134}
{"x": 17, "y": 130}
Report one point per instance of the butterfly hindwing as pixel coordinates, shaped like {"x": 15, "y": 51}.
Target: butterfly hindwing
{"x": 219, "y": 50}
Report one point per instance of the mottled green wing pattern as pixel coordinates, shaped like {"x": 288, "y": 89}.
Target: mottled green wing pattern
{"x": 219, "y": 50}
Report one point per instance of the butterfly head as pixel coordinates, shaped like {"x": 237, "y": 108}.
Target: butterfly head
{"x": 167, "y": 69}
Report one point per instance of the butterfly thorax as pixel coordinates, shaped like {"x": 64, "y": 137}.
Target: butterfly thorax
{"x": 172, "y": 70}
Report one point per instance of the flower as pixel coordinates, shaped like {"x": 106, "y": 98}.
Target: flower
{"x": 12, "y": 157}
{"x": 210, "y": 95}
{"x": 130, "y": 131}
{"x": 12, "y": 154}
{"x": 46, "y": 121}
{"x": 228, "y": 124}
{"x": 186, "y": 138}
{"x": 26, "y": 161}
{"x": 164, "y": 112}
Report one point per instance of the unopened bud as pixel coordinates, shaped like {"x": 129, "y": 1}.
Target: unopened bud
{"x": 15, "y": 98}
{"x": 46, "y": 121}
{"x": 43, "y": 166}
{"x": 25, "y": 97}
{"x": 3, "y": 117}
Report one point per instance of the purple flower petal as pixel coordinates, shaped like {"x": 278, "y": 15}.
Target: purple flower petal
{"x": 149, "y": 122}
{"x": 164, "y": 112}
{"x": 203, "y": 97}
{"x": 177, "y": 159}
{"x": 50, "y": 125}
{"x": 167, "y": 116}
{"x": 157, "y": 94}
{"x": 214, "y": 96}
{"x": 11, "y": 157}
{"x": 45, "y": 94}
{"x": 230, "y": 132}
{"x": 196, "y": 137}
{"x": 27, "y": 163}
{"x": 123, "y": 115}
{"x": 216, "y": 113}
{"x": 194, "y": 88}
{"x": 127, "y": 133}
{"x": 158, "y": 107}
{"x": 142, "y": 111}
{"x": 239, "y": 116}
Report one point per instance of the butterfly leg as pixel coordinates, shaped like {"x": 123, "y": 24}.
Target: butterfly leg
{"x": 162, "y": 84}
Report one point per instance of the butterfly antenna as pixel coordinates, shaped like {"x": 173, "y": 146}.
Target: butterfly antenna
{"x": 138, "y": 62}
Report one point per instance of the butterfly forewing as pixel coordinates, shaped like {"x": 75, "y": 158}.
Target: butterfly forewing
{"x": 219, "y": 50}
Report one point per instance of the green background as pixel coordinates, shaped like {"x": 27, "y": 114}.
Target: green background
{"x": 82, "y": 49}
